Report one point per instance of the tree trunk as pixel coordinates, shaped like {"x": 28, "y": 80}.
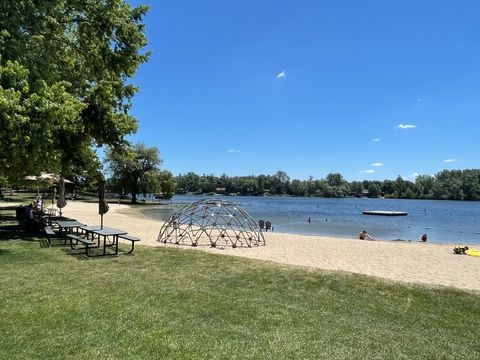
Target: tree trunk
{"x": 134, "y": 191}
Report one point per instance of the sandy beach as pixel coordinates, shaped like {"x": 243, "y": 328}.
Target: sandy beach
{"x": 410, "y": 262}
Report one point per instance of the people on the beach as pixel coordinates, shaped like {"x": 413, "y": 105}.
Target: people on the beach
{"x": 423, "y": 238}
{"x": 364, "y": 236}
{"x": 460, "y": 250}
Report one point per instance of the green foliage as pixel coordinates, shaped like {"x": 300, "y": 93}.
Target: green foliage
{"x": 134, "y": 169}
{"x": 374, "y": 190}
{"x": 174, "y": 304}
{"x": 3, "y": 181}
{"x": 167, "y": 184}
{"x": 64, "y": 81}
{"x": 297, "y": 188}
{"x": 447, "y": 184}
{"x": 188, "y": 183}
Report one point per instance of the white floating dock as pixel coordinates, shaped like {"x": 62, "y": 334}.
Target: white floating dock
{"x": 385, "y": 213}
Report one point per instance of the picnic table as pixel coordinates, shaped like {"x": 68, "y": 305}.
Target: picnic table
{"x": 108, "y": 235}
{"x": 67, "y": 226}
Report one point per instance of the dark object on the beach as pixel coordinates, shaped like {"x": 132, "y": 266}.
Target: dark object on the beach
{"x": 261, "y": 224}
{"x": 268, "y": 226}
{"x": 460, "y": 250}
{"x": 423, "y": 238}
{"x": 384, "y": 213}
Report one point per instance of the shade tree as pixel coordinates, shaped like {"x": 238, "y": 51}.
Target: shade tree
{"x": 134, "y": 169}
{"x": 65, "y": 81}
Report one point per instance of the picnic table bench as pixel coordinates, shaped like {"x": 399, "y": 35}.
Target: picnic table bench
{"x": 77, "y": 239}
{"x": 50, "y": 234}
{"x": 129, "y": 238}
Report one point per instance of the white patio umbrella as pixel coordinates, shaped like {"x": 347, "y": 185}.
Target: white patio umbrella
{"x": 30, "y": 178}
{"x": 48, "y": 179}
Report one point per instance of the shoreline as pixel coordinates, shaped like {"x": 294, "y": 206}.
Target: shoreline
{"x": 432, "y": 264}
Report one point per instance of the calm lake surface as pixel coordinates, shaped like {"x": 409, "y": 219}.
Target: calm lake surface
{"x": 443, "y": 221}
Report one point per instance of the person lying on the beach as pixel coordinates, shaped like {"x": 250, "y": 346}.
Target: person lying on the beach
{"x": 364, "y": 236}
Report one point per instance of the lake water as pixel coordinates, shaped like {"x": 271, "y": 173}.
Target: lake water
{"x": 443, "y": 221}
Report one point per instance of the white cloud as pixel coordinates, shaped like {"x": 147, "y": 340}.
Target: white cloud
{"x": 449, "y": 160}
{"x": 370, "y": 171}
{"x": 377, "y": 164}
{"x": 414, "y": 175}
{"x": 406, "y": 126}
{"x": 234, "y": 151}
{"x": 376, "y": 140}
{"x": 282, "y": 75}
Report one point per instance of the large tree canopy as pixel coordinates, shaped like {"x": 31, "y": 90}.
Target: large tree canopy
{"x": 64, "y": 80}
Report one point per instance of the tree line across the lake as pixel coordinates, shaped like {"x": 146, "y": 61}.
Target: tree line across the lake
{"x": 445, "y": 185}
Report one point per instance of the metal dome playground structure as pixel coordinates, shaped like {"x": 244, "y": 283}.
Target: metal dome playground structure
{"x": 211, "y": 222}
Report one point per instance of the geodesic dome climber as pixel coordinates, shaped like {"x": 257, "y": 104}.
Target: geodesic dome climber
{"x": 211, "y": 222}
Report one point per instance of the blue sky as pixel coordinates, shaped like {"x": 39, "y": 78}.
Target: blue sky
{"x": 370, "y": 89}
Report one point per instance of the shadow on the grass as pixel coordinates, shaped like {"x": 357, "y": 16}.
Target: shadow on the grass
{"x": 43, "y": 243}
{"x": 13, "y": 231}
{"x": 4, "y": 252}
{"x": 94, "y": 254}
{"x": 6, "y": 217}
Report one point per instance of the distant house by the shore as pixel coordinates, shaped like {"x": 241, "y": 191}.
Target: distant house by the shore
{"x": 362, "y": 194}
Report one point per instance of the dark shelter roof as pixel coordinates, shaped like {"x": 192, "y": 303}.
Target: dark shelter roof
{"x": 211, "y": 222}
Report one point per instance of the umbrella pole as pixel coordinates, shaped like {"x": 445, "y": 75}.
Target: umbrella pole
{"x": 101, "y": 221}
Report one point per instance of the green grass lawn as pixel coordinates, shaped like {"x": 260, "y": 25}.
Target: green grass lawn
{"x": 166, "y": 303}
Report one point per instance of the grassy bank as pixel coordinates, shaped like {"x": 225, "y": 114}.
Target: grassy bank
{"x": 170, "y": 303}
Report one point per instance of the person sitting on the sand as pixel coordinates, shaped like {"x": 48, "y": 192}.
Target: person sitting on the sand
{"x": 423, "y": 238}
{"x": 364, "y": 236}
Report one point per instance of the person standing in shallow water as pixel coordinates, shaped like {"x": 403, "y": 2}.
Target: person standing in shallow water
{"x": 309, "y": 220}
{"x": 423, "y": 238}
